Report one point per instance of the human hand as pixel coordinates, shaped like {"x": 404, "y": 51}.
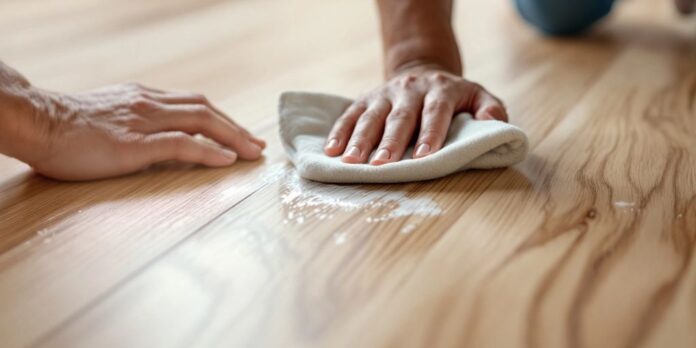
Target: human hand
{"x": 124, "y": 128}
{"x": 388, "y": 116}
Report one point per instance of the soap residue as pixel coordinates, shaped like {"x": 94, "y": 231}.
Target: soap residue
{"x": 306, "y": 200}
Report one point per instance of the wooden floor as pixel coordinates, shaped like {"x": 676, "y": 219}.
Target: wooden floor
{"x": 588, "y": 243}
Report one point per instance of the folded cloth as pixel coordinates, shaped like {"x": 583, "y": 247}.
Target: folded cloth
{"x": 306, "y": 120}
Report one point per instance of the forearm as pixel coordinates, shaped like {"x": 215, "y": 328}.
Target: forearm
{"x": 416, "y": 32}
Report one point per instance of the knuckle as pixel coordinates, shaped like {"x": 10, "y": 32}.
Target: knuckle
{"x": 347, "y": 118}
{"x": 144, "y": 95}
{"x": 238, "y": 133}
{"x": 199, "y": 98}
{"x": 356, "y": 109}
{"x": 437, "y": 106}
{"x": 202, "y": 112}
{"x": 141, "y": 104}
{"x": 371, "y": 117}
{"x": 359, "y": 139}
{"x": 390, "y": 142}
{"x": 339, "y": 132}
{"x": 343, "y": 123}
{"x": 135, "y": 86}
{"x": 428, "y": 135}
{"x": 361, "y": 103}
{"x": 406, "y": 80}
{"x": 440, "y": 77}
{"x": 130, "y": 121}
{"x": 400, "y": 115}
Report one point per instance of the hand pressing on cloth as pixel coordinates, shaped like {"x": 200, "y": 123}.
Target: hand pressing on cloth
{"x": 386, "y": 119}
{"x": 424, "y": 89}
{"x": 114, "y": 130}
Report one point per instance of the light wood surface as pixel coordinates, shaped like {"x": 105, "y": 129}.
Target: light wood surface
{"x": 588, "y": 243}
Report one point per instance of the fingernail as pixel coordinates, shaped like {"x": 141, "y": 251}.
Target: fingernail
{"x": 494, "y": 113}
{"x": 352, "y": 152}
{"x": 422, "y": 150}
{"x": 256, "y": 148}
{"x": 229, "y": 154}
{"x": 382, "y": 155}
{"x": 332, "y": 143}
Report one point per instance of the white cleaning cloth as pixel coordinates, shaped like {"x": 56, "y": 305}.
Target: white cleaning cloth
{"x": 307, "y": 118}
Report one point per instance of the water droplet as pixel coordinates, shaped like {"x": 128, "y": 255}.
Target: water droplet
{"x": 624, "y": 204}
{"x": 592, "y": 214}
{"x": 408, "y": 228}
{"x": 339, "y": 238}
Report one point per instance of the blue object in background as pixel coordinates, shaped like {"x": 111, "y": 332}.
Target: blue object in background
{"x": 563, "y": 17}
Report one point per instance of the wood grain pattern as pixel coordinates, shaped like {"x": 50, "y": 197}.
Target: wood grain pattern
{"x": 587, "y": 243}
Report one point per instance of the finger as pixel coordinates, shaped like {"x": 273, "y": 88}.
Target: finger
{"x": 185, "y": 148}
{"x": 343, "y": 129}
{"x": 140, "y": 87}
{"x": 199, "y": 119}
{"x": 398, "y": 129}
{"x": 258, "y": 141}
{"x": 438, "y": 110}
{"x": 486, "y": 106}
{"x": 254, "y": 139}
{"x": 177, "y": 97}
{"x": 200, "y": 99}
{"x": 368, "y": 131}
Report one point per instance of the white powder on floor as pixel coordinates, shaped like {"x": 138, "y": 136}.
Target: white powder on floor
{"x": 305, "y": 200}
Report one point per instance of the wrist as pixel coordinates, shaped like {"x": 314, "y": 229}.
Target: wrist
{"x": 22, "y": 131}
{"x": 420, "y": 53}
{"x": 418, "y": 33}
{"x": 420, "y": 65}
